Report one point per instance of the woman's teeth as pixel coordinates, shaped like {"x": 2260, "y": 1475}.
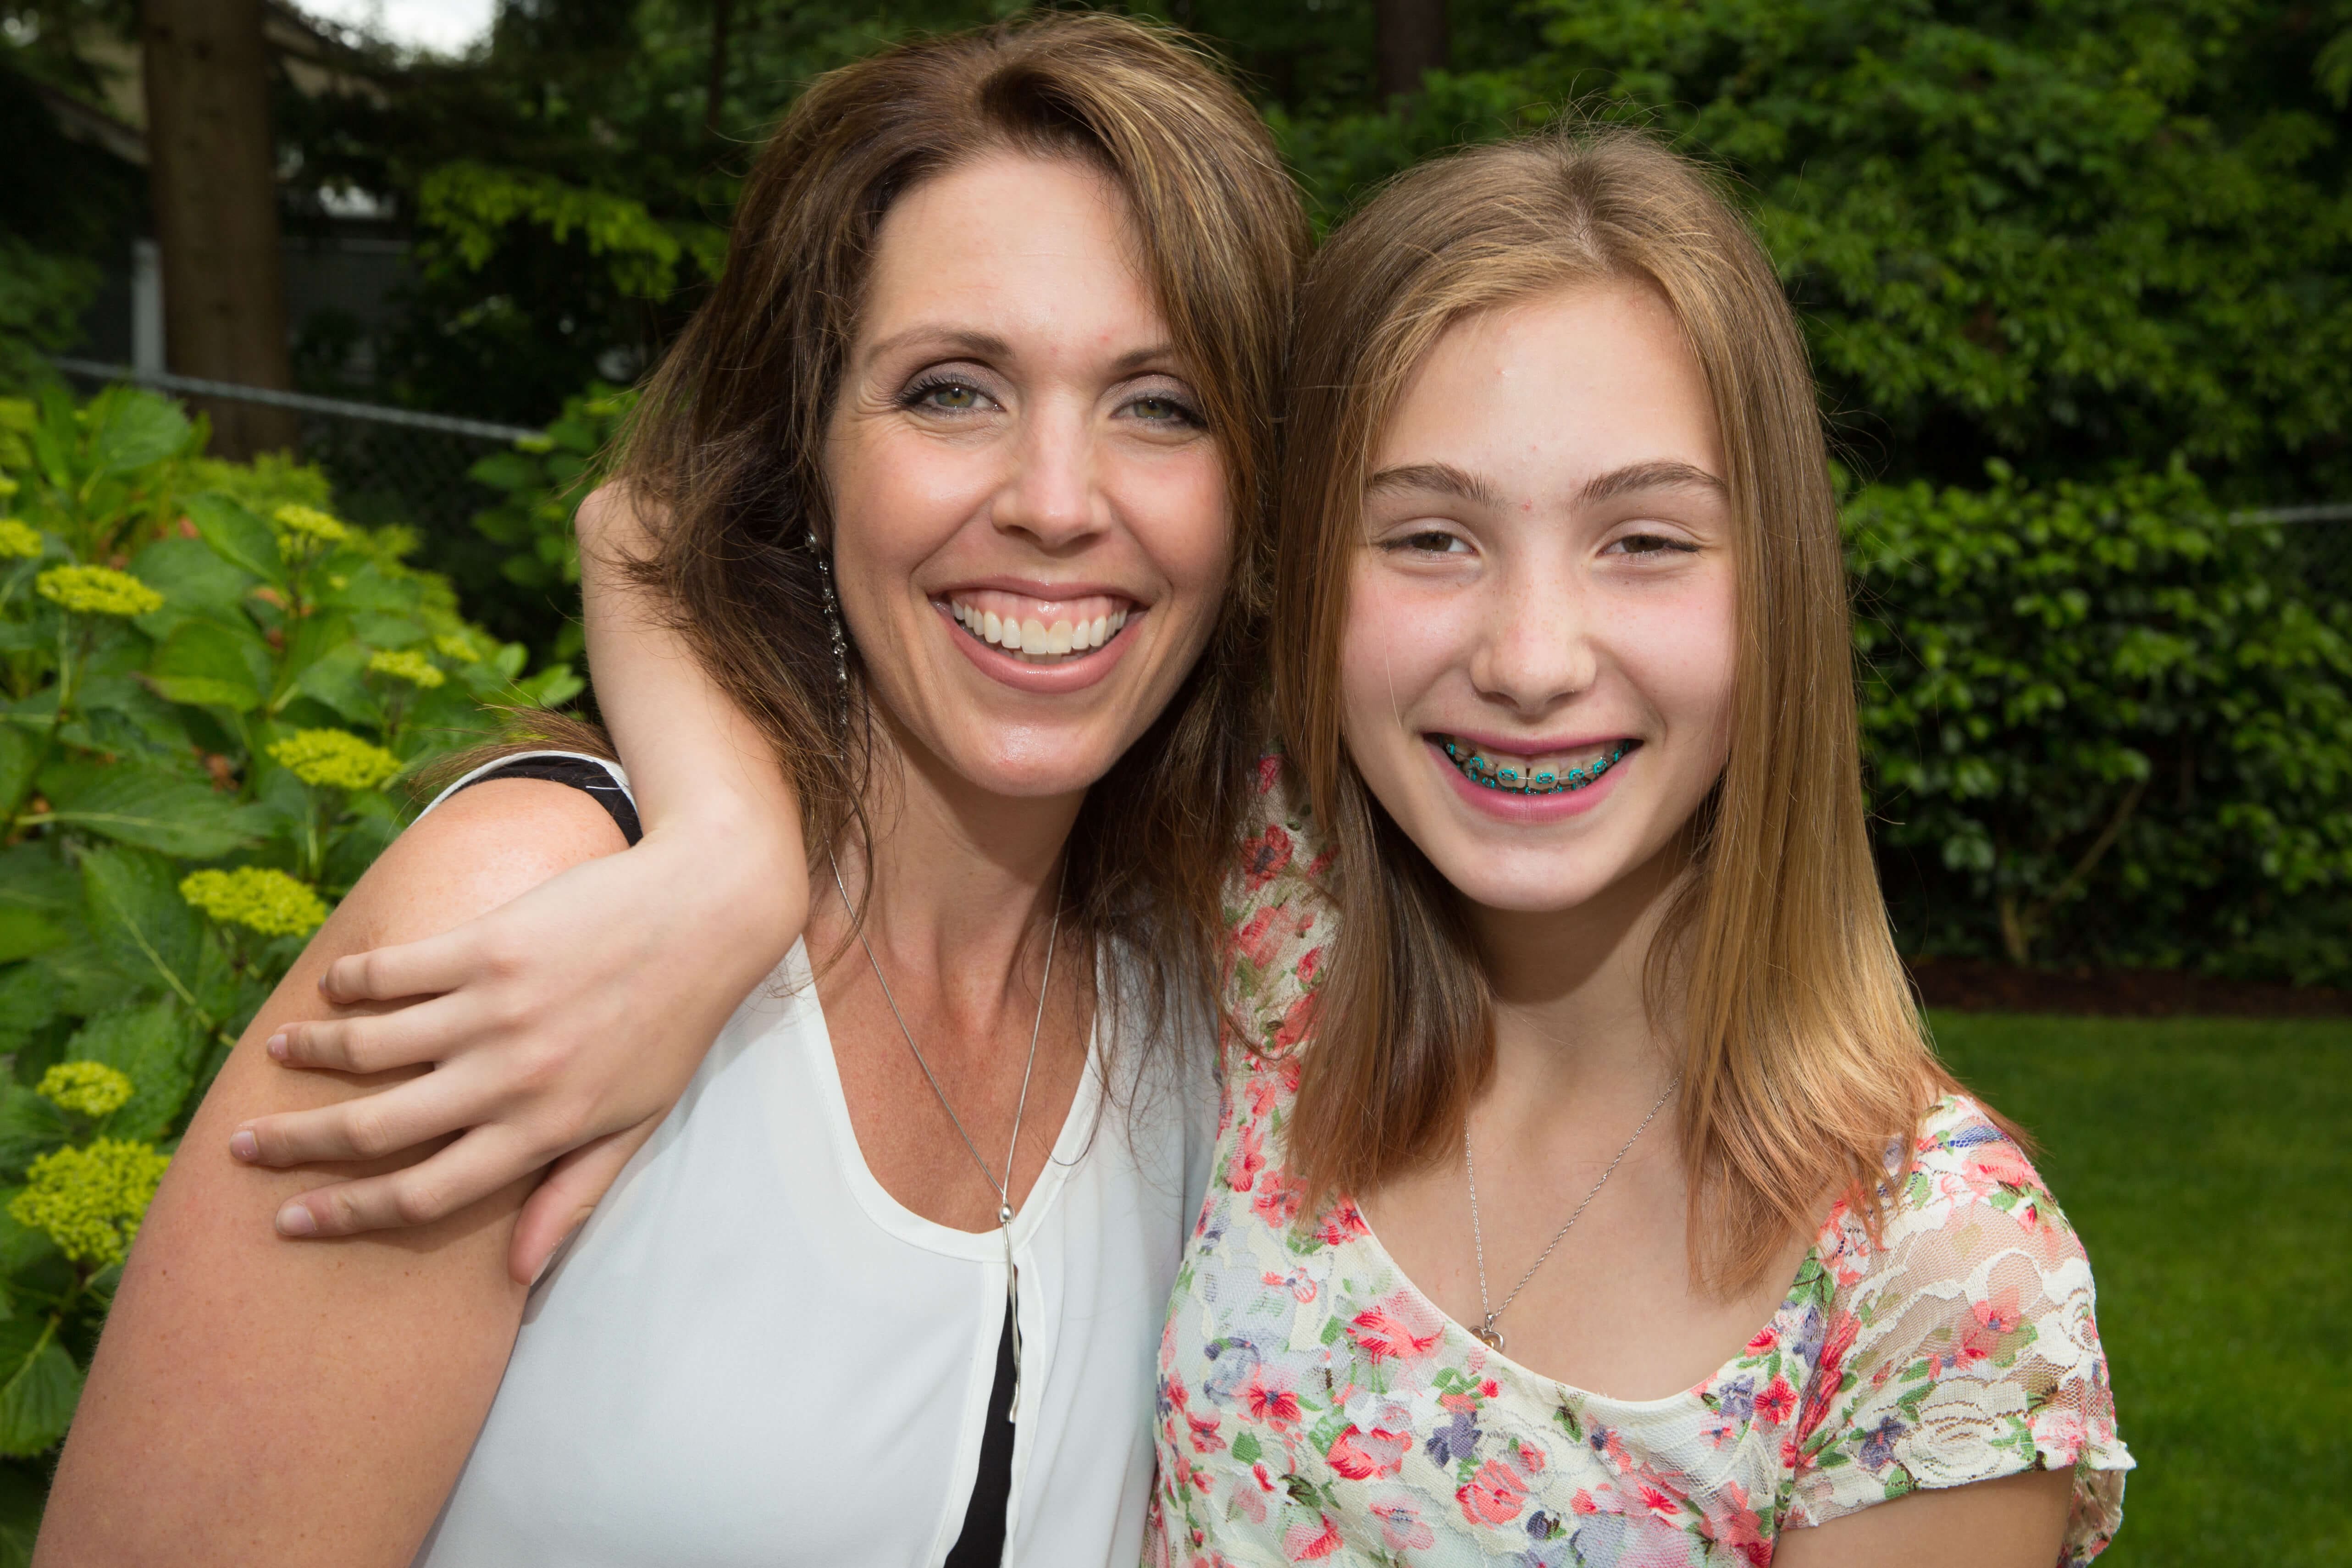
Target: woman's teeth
{"x": 1031, "y": 637}
{"x": 1550, "y": 774}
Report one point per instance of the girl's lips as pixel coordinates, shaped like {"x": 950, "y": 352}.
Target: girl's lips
{"x": 1527, "y": 810}
{"x": 1067, "y": 675}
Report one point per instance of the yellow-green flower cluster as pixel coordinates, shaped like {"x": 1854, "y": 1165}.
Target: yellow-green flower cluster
{"x": 87, "y": 1088}
{"x": 19, "y": 540}
{"x": 307, "y": 522}
{"x": 460, "y": 649}
{"x": 406, "y": 664}
{"x": 257, "y": 898}
{"x": 336, "y": 758}
{"x": 90, "y": 1200}
{"x": 98, "y": 591}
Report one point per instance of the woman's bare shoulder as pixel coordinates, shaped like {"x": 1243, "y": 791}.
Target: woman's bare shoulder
{"x": 308, "y": 1401}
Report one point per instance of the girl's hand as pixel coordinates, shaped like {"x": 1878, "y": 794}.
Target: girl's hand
{"x": 566, "y": 1023}
{"x": 563, "y": 1026}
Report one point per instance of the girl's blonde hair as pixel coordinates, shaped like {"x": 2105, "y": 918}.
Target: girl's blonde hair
{"x": 1803, "y": 1054}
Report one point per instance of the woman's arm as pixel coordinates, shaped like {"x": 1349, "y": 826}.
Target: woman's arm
{"x": 2017, "y": 1521}
{"x": 258, "y": 1403}
{"x": 567, "y": 1023}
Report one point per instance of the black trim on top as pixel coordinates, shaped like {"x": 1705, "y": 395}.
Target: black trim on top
{"x": 580, "y": 773}
{"x": 981, "y": 1545}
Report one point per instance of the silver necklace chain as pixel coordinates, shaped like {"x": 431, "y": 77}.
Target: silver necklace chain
{"x": 1487, "y": 1331}
{"x": 1004, "y": 1189}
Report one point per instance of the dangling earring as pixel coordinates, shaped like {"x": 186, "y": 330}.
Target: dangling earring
{"x": 831, "y": 617}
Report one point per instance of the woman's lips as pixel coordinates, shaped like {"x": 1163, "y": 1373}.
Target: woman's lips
{"x": 1051, "y": 675}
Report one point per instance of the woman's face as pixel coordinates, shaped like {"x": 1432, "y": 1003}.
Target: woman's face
{"x": 1536, "y": 668}
{"x": 1032, "y": 525}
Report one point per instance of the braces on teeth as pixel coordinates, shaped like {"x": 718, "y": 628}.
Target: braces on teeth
{"x": 1509, "y": 777}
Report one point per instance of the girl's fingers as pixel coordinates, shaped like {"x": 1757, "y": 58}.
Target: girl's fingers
{"x": 368, "y": 1128}
{"x": 466, "y": 1171}
{"x": 573, "y": 1187}
{"x": 421, "y": 1032}
{"x": 423, "y": 968}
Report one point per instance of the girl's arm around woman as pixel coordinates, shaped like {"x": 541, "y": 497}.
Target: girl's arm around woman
{"x": 257, "y": 1402}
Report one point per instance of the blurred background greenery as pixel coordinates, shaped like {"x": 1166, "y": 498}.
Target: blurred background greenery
{"x": 2077, "y": 277}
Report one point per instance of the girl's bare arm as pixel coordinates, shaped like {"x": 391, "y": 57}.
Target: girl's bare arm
{"x": 2017, "y": 1521}
{"x": 258, "y": 1403}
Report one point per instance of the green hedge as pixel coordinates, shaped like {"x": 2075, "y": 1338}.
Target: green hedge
{"x": 210, "y": 690}
{"x": 2105, "y": 725}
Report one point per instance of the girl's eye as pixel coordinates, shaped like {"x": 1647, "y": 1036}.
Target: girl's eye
{"x": 1426, "y": 542}
{"x": 946, "y": 396}
{"x": 1651, "y": 544}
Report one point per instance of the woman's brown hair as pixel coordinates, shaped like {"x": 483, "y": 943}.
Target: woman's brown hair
{"x": 728, "y": 441}
{"x": 1802, "y": 1054}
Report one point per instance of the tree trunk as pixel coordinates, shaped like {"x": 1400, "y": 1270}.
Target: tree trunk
{"x": 1413, "y": 38}
{"x": 714, "y": 102}
{"x": 212, "y": 167}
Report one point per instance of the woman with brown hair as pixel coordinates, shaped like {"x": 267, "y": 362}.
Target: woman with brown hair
{"x": 960, "y": 461}
{"x": 1555, "y": 946}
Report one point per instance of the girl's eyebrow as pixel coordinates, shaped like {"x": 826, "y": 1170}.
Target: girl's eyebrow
{"x": 1434, "y": 478}
{"x": 1653, "y": 475}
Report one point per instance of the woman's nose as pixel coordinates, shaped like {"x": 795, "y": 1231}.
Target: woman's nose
{"x": 1051, "y": 495}
{"x": 1535, "y": 645}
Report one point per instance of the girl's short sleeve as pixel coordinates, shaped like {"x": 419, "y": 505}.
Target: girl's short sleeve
{"x": 1962, "y": 1346}
{"x": 1279, "y": 923}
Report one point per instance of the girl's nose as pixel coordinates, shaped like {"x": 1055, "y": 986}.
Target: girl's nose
{"x": 1535, "y": 645}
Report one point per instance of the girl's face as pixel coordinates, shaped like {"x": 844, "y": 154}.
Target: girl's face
{"x": 1536, "y": 668}
{"x": 1032, "y": 524}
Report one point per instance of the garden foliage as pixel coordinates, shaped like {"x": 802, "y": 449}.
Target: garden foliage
{"x": 209, "y": 688}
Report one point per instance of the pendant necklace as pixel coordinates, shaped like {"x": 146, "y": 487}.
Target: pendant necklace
{"x": 1003, "y": 1188}
{"x": 1487, "y": 1333}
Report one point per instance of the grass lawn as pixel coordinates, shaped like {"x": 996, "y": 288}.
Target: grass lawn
{"x": 2208, "y": 1164}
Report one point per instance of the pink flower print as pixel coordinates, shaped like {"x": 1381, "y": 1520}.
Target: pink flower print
{"x": 1269, "y": 774}
{"x": 1256, "y": 941}
{"x": 1401, "y": 1525}
{"x": 1248, "y": 1502}
{"x": 1396, "y": 1327}
{"x": 1582, "y": 1502}
{"x": 1278, "y": 1200}
{"x": 1299, "y": 1282}
{"x": 1265, "y": 1479}
{"x": 1310, "y": 964}
{"x": 1528, "y": 1459}
{"x": 1999, "y": 1312}
{"x": 1268, "y": 1397}
{"x": 1297, "y": 1023}
{"x": 1240, "y": 1170}
{"x": 1766, "y": 1338}
{"x": 1342, "y": 1222}
{"x": 2000, "y": 1165}
{"x": 1309, "y": 1540}
{"x": 1460, "y": 1403}
{"x": 1264, "y": 856}
{"x": 1732, "y": 1522}
{"x": 1718, "y": 1431}
{"x": 1822, "y": 1393}
{"x": 1493, "y": 1495}
{"x": 2059, "y": 1434}
{"x": 1776, "y": 1403}
{"x": 1489, "y": 1387}
{"x": 1265, "y": 1094}
{"x": 1362, "y": 1455}
{"x": 1205, "y": 1440}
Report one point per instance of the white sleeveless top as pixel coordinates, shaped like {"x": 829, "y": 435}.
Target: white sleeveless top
{"x": 752, "y": 1353}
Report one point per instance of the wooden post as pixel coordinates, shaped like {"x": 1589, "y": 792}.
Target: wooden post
{"x": 1413, "y": 38}
{"x": 213, "y": 170}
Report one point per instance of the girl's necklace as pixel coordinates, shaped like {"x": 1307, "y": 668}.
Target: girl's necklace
{"x": 1003, "y": 1188}
{"x": 1487, "y": 1331}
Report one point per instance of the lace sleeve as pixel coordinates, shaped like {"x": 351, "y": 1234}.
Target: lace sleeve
{"x": 1277, "y": 924}
{"x": 1963, "y": 1346}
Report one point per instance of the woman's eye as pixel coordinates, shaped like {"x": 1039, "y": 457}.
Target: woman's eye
{"x": 946, "y": 396}
{"x": 1161, "y": 409}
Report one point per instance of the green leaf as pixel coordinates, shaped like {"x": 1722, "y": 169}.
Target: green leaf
{"x": 212, "y": 665}
{"x": 24, "y": 932}
{"x": 156, "y": 1048}
{"x": 19, "y": 752}
{"x": 152, "y": 809}
{"x": 41, "y": 1389}
{"x": 134, "y": 429}
{"x": 194, "y": 578}
{"x": 147, "y": 931}
{"x": 29, "y": 1126}
{"x": 337, "y": 678}
{"x": 28, "y": 1000}
{"x": 21, "y": 1247}
{"x": 238, "y": 536}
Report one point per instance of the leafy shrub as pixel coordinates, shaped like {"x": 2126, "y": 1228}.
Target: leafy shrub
{"x": 543, "y": 480}
{"x": 208, "y": 684}
{"x": 2104, "y": 725}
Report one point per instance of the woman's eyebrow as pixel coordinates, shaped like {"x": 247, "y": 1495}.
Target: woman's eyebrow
{"x": 1654, "y": 475}
{"x": 1434, "y": 478}
{"x": 956, "y": 340}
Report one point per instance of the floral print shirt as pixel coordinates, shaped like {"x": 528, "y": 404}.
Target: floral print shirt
{"x": 1315, "y": 1406}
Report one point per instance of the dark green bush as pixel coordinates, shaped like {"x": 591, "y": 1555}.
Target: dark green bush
{"x": 2105, "y": 725}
